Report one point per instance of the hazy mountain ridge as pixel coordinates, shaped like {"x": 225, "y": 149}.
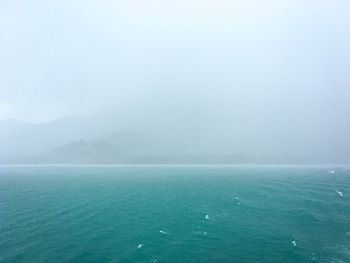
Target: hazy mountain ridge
{"x": 123, "y": 152}
{"x": 99, "y": 146}
{"x": 103, "y": 152}
{"x": 22, "y": 140}
{"x": 109, "y": 137}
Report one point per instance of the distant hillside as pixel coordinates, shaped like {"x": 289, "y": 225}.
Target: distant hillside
{"x": 109, "y": 137}
{"x": 132, "y": 148}
{"x": 81, "y": 152}
{"x": 22, "y": 140}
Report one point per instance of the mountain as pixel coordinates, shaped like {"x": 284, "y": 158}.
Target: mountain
{"x": 98, "y": 139}
{"x": 22, "y": 140}
{"x": 130, "y": 152}
{"x": 112, "y": 137}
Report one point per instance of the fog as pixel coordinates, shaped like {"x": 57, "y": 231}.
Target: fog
{"x": 268, "y": 79}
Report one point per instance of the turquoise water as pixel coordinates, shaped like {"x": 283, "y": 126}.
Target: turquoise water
{"x": 103, "y": 214}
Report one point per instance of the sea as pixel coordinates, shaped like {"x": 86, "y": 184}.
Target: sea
{"x": 174, "y": 213}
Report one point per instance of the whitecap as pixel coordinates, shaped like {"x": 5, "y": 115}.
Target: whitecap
{"x": 294, "y": 243}
{"x": 340, "y": 193}
{"x": 207, "y": 217}
{"x": 238, "y": 201}
{"x": 140, "y": 246}
{"x": 163, "y": 232}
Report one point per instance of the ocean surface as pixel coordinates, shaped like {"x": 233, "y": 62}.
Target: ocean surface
{"x": 174, "y": 214}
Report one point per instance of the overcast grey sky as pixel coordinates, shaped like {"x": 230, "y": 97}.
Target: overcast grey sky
{"x": 259, "y": 61}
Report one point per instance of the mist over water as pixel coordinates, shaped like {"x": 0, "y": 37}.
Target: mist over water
{"x": 264, "y": 79}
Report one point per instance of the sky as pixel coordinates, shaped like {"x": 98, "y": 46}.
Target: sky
{"x": 270, "y": 68}
{"x": 206, "y": 57}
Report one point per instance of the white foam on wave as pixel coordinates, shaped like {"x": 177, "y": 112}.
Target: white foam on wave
{"x": 238, "y": 201}
{"x": 205, "y": 233}
{"x": 163, "y": 232}
{"x": 140, "y": 246}
{"x": 294, "y": 243}
{"x": 331, "y": 172}
{"x": 207, "y": 217}
{"x": 340, "y": 193}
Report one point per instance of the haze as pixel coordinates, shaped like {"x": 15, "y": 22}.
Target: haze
{"x": 259, "y": 81}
